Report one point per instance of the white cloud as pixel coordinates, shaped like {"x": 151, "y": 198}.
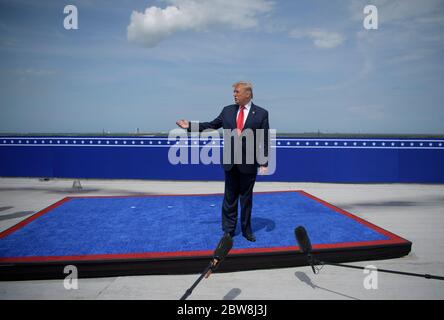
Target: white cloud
{"x": 400, "y": 10}
{"x": 321, "y": 38}
{"x": 156, "y": 24}
{"x": 409, "y": 33}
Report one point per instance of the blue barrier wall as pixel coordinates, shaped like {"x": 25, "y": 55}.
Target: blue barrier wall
{"x": 297, "y": 159}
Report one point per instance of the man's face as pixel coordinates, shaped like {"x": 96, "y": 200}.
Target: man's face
{"x": 241, "y": 96}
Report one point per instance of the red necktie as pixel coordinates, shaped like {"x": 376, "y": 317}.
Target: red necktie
{"x": 240, "y": 120}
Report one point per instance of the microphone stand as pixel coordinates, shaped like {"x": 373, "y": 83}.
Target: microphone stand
{"x": 313, "y": 261}
{"x": 206, "y": 273}
{"x": 305, "y": 245}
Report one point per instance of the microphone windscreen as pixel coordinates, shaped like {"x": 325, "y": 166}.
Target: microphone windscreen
{"x": 303, "y": 239}
{"x": 224, "y": 246}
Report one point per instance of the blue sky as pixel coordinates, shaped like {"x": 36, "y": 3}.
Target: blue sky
{"x": 145, "y": 64}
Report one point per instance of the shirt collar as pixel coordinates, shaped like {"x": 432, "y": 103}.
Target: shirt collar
{"x": 248, "y": 106}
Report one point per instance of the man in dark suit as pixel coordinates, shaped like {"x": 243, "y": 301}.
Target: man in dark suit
{"x": 245, "y": 124}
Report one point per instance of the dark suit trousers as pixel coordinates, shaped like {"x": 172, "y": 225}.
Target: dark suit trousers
{"x": 238, "y": 186}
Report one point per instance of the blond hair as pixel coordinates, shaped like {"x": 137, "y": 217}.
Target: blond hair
{"x": 246, "y": 85}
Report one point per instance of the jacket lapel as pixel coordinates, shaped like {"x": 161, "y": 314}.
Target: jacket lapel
{"x": 251, "y": 115}
{"x": 234, "y": 117}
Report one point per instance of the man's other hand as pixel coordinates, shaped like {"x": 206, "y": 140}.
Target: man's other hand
{"x": 184, "y": 124}
{"x": 263, "y": 170}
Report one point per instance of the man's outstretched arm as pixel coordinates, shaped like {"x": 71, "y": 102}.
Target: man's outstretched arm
{"x": 215, "y": 124}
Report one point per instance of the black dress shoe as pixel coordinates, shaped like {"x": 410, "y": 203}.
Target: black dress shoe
{"x": 230, "y": 233}
{"x": 250, "y": 237}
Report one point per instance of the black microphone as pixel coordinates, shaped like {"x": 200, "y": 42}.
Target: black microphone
{"x": 304, "y": 244}
{"x": 223, "y": 247}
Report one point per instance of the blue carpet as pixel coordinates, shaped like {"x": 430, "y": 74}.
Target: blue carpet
{"x": 113, "y": 225}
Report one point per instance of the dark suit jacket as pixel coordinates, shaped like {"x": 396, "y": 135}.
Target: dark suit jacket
{"x": 257, "y": 119}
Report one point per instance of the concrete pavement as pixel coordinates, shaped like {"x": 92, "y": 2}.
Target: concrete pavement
{"x": 412, "y": 211}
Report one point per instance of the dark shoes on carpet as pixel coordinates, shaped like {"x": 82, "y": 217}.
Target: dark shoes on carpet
{"x": 250, "y": 237}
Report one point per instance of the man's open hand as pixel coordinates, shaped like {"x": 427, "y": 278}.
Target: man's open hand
{"x": 184, "y": 124}
{"x": 263, "y": 170}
